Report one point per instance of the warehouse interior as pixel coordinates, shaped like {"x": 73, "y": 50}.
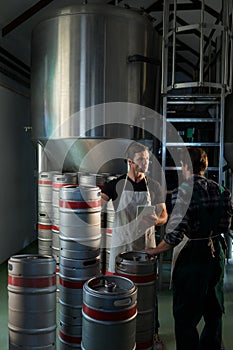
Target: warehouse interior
{"x": 78, "y": 80}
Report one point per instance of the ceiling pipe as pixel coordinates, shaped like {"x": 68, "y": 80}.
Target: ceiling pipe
{"x": 25, "y": 16}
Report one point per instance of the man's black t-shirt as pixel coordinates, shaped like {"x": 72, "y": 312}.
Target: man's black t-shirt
{"x": 114, "y": 188}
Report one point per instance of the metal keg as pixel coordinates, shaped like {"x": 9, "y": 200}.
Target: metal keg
{"x": 80, "y": 209}
{"x": 71, "y": 248}
{"x": 44, "y": 239}
{"x": 32, "y": 302}
{"x": 80, "y": 199}
{"x": 45, "y": 212}
{"x": 70, "y": 336}
{"x": 86, "y": 179}
{"x": 109, "y": 313}
{"x": 107, "y": 219}
{"x": 140, "y": 268}
{"x": 73, "y": 275}
{"x": 110, "y": 216}
{"x": 45, "y": 186}
{"x": 77, "y": 268}
{"x": 55, "y": 243}
{"x": 60, "y": 180}
{"x": 45, "y": 197}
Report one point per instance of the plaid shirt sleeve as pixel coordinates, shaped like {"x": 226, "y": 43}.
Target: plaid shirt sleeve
{"x": 178, "y": 223}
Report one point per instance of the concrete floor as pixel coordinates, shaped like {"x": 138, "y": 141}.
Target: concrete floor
{"x": 165, "y": 307}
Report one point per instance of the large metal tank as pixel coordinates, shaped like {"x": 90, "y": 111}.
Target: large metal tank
{"x": 87, "y": 55}
{"x": 80, "y": 58}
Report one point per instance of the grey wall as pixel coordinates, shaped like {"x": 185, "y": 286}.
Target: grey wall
{"x": 17, "y": 180}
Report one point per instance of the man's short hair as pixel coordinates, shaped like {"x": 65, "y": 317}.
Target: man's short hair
{"x": 198, "y": 161}
{"x": 133, "y": 148}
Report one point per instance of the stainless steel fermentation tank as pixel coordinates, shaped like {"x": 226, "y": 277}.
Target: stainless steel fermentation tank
{"x": 85, "y": 56}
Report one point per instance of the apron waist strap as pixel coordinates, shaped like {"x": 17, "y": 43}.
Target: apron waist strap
{"x": 204, "y": 238}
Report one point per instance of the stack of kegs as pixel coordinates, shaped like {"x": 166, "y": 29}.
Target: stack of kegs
{"x": 45, "y": 213}
{"x": 109, "y": 314}
{"x": 32, "y": 302}
{"x": 59, "y": 180}
{"x": 80, "y": 235}
{"x": 140, "y": 268}
{"x": 108, "y": 216}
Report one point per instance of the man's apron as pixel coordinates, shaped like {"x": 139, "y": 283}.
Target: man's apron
{"x": 177, "y": 249}
{"x": 220, "y": 259}
{"x": 128, "y": 232}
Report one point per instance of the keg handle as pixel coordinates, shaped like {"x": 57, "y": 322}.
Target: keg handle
{"x": 110, "y": 286}
{"x": 136, "y": 257}
{"x": 122, "y": 302}
{"x": 121, "y": 266}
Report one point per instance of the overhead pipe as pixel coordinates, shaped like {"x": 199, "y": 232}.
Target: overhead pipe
{"x": 25, "y": 16}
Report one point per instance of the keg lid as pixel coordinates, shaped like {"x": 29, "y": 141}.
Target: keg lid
{"x": 110, "y": 285}
{"x": 136, "y": 263}
{"x": 136, "y": 257}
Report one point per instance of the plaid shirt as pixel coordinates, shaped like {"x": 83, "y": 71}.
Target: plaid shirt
{"x": 201, "y": 208}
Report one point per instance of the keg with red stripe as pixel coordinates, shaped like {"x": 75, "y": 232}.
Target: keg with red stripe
{"x": 109, "y": 313}
{"x": 45, "y": 186}
{"x": 140, "y": 268}
{"x": 45, "y": 212}
{"x": 108, "y": 232}
{"x": 45, "y": 196}
{"x": 55, "y": 243}
{"x": 71, "y": 298}
{"x": 57, "y": 183}
{"x": 44, "y": 239}
{"x": 32, "y": 302}
{"x": 108, "y": 216}
{"x": 80, "y": 213}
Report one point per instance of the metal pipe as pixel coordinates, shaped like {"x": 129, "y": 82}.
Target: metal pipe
{"x": 25, "y": 16}
{"x": 165, "y": 47}
{"x": 201, "y": 42}
{"x": 174, "y": 45}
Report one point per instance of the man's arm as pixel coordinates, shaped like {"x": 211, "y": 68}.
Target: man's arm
{"x": 159, "y": 217}
{"x": 161, "y": 247}
{"x": 162, "y": 215}
{"x": 104, "y": 197}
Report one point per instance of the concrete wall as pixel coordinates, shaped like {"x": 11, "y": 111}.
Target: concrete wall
{"x": 17, "y": 169}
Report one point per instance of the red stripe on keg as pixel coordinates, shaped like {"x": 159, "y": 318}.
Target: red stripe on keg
{"x": 138, "y": 279}
{"x": 55, "y": 228}
{"x": 80, "y": 205}
{"x": 62, "y": 185}
{"x": 109, "y": 316}
{"x": 108, "y": 230}
{"x": 145, "y": 345}
{"x": 32, "y": 282}
{"x": 109, "y": 273}
{"x": 69, "y": 338}
{"x": 44, "y": 227}
{"x": 72, "y": 284}
{"x": 44, "y": 182}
